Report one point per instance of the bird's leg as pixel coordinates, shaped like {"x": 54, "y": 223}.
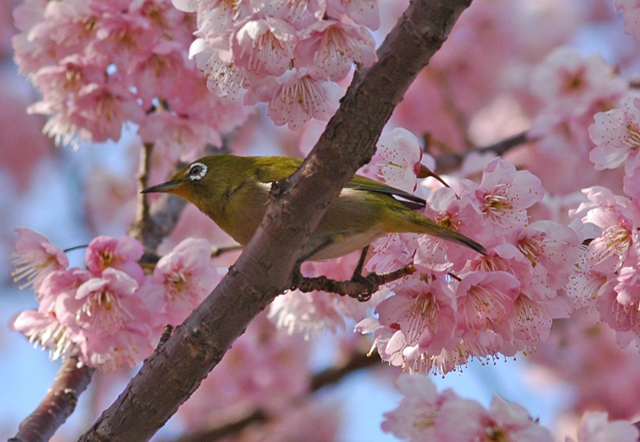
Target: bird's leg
{"x": 358, "y": 287}
{"x": 357, "y": 272}
{"x": 296, "y": 278}
{"x": 370, "y": 286}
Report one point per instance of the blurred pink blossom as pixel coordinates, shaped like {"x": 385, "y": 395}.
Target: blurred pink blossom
{"x": 35, "y": 258}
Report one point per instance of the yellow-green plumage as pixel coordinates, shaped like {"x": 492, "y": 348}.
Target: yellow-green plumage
{"x": 234, "y": 192}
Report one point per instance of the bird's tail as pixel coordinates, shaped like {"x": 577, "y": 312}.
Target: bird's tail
{"x": 450, "y": 235}
{"x": 432, "y": 228}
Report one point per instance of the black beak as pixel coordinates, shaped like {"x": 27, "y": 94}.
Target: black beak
{"x": 165, "y": 187}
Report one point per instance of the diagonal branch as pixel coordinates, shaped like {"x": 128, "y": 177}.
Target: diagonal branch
{"x": 58, "y": 404}
{"x": 448, "y": 163}
{"x": 264, "y": 269}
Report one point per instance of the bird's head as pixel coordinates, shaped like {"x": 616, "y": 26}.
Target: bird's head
{"x": 191, "y": 181}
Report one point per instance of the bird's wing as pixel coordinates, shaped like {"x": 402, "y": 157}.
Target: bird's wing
{"x": 411, "y": 201}
{"x": 271, "y": 169}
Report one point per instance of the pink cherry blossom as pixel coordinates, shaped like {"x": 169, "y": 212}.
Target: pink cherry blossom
{"x": 126, "y": 347}
{"x": 264, "y": 46}
{"x": 459, "y": 214}
{"x": 102, "y": 306}
{"x": 553, "y": 251}
{"x": 45, "y": 330}
{"x": 35, "y": 258}
{"x": 283, "y": 52}
{"x": 184, "y": 277}
{"x": 504, "y": 195}
{"x": 59, "y": 285}
{"x": 531, "y": 321}
{"x": 511, "y": 421}
{"x": 223, "y": 78}
{"x": 586, "y": 285}
{"x": 108, "y": 320}
{"x": 397, "y": 159}
{"x": 364, "y": 12}
{"x": 424, "y": 415}
{"x": 503, "y": 421}
{"x": 624, "y": 318}
{"x": 417, "y": 415}
{"x": 504, "y": 257}
{"x": 392, "y": 252}
{"x": 101, "y": 110}
{"x": 300, "y": 98}
{"x": 616, "y": 217}
{"x": 155, "y": 73}
{"x": 423, "y": 313}
{"x": 616, "y": 134}
{"x": 115, "y": 63}
{"x": 104, "y": 317}
{"x": 570, "y": 82}
{"x": 329, "y": 48}
{"x": 486, "y": 298}
{"x": 572, "y": 89}
{"x": 414, "y": 325}
{"x": 595, "y": 427}
{"x": 105, "y": 252}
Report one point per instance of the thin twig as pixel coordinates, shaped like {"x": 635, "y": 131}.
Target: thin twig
{"x": 142, "y": 217}
{"x": 448, "y": 163}
{"x": 360, "y": 289}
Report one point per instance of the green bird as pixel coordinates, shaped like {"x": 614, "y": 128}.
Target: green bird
{"x": 234, "y": 191}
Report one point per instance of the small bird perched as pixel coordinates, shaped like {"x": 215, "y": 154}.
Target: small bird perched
{"x": 234, "y": 191}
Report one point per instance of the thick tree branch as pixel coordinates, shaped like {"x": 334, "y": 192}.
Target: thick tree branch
{"x": 265, "y": 267}
{"x": 58, "y": 404}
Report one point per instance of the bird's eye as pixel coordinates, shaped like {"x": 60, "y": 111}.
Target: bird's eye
{"x": 197, "y": 171}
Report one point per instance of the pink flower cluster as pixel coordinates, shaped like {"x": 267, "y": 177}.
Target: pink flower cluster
{"x": 424, "y": 415}
{"x": 461, "y": 304}
{"x": 100, "y": 65}
{"x": 288, "y": 54}
{"x": 595, "y": 427}
{"x": 111, "y": 310}
{"x": 616, "y": 134}
{"x": 571, "y": 88}
{"x": 607, "y": 273}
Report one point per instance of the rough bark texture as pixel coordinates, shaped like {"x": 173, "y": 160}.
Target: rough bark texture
{"x": 264, "y": 269}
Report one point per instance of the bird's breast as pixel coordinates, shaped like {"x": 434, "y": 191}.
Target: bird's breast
{"x": 243, "y": 210}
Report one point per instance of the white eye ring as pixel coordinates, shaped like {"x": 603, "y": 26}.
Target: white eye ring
{"x": 197, "y": 171}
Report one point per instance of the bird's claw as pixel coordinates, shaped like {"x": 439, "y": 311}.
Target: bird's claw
{"x": 370, "y": 286}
